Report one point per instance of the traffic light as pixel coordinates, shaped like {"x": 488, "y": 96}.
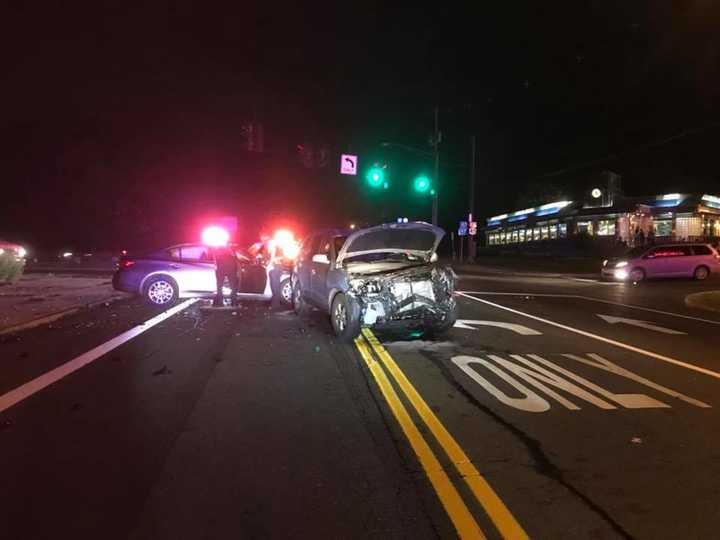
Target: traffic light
{"x": 376, "y": 177}
{"x": 422, "y": 184}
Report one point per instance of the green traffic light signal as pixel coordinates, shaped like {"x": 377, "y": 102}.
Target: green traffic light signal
{"x": 421, "y": 184}
{"x": 376, "y": 177}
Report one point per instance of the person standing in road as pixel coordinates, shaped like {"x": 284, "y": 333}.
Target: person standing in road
{"x": 275, "y": 262}
{"x": 225, "y": 267}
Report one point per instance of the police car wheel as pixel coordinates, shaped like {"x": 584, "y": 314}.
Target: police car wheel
{"x": 286, "y": 292}
{"x": 160, "y": 291}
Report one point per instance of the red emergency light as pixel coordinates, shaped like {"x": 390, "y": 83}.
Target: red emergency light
{"x": 215, "y": 236}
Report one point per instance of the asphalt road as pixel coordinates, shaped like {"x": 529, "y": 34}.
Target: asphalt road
{"x": 557, "y": 408}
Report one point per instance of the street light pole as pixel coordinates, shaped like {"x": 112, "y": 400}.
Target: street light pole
{"x": 436, "y": 142}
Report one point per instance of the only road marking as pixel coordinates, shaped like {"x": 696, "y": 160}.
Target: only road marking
{"x": 532, "y": 375}
{"x": 650, "y": 354}
{"x": 641, "y": 324}
{"x": 469, "y": 324}
{"x": 28, "y": 389}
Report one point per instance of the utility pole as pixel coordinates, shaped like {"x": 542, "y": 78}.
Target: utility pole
{"x": 436, "y": 180}
{"x": 471, "y": 210}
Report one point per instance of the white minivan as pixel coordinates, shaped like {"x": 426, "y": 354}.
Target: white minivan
{"x": 698, "y": 261}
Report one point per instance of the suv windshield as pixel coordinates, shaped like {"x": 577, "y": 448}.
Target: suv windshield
{"x": 384, "y": 257}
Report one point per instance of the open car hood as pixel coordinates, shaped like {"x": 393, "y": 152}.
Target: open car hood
{"x": 418, "y": 238}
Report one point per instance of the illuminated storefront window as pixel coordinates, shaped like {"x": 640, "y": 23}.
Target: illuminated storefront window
{"x": 536, "y": 233}
{"x": 688, "y": 227}
{"x": 585, "y": 227}
{"x": 562, "y": 230}
{"x": 553, "y": 232}
{"x": 662, "y": 227}
{"x": 606, "y": 227}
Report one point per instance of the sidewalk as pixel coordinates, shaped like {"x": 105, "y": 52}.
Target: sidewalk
{"x": 42, "y": 298}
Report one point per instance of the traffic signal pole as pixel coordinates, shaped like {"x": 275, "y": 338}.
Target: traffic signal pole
{"x": 436, "y": 142}
{"x": 471, "y": 210}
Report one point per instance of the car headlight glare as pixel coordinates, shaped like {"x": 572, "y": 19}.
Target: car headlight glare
{"x": 621, "y": 274}
{"x": 621, "y": 264}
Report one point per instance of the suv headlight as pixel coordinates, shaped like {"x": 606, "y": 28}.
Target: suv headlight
{"x": 621, "y": 264}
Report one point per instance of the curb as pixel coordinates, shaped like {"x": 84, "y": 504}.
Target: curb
{"x": 708, "y": 300}
{"x": 45, "y": 319}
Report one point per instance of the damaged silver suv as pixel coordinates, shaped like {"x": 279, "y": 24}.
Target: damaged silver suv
{"x": 381, "y": 277}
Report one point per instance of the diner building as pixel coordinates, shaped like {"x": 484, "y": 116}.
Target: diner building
{"x": 613, "y": 219}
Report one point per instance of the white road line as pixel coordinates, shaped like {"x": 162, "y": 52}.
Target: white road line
{"x": 596, "y": 281}
{"x": 609, "y": 341}
{"x": 28, "y": 389}
{"x": 470, "y": 324}
{"x": 591, "y": 299}
{"x": 610, "y": 319}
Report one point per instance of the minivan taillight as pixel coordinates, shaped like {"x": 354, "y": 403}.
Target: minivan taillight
{"x": 126, "y": 264}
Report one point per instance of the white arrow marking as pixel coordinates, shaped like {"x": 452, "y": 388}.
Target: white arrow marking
{"x": 642, "y": 324}
{"x": 517, "y": 328}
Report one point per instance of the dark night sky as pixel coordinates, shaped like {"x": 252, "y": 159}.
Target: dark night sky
{"x": 122, "y": 126}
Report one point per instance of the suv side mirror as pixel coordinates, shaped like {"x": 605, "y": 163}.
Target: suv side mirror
{"x": 321, "y": 258}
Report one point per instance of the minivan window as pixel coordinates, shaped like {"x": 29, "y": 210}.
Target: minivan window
{"x": 701, "y": 250}
{"x": 636, "y": 252}
{"x": 669, "y": 251}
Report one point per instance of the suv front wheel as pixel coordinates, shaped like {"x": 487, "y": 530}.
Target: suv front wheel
{"x": 345, "y": 317}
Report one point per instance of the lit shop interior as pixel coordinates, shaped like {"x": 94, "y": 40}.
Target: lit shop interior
{"x": 612, "y": 219}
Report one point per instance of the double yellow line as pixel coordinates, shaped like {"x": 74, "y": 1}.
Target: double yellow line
{"x": 465, "y": 524}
